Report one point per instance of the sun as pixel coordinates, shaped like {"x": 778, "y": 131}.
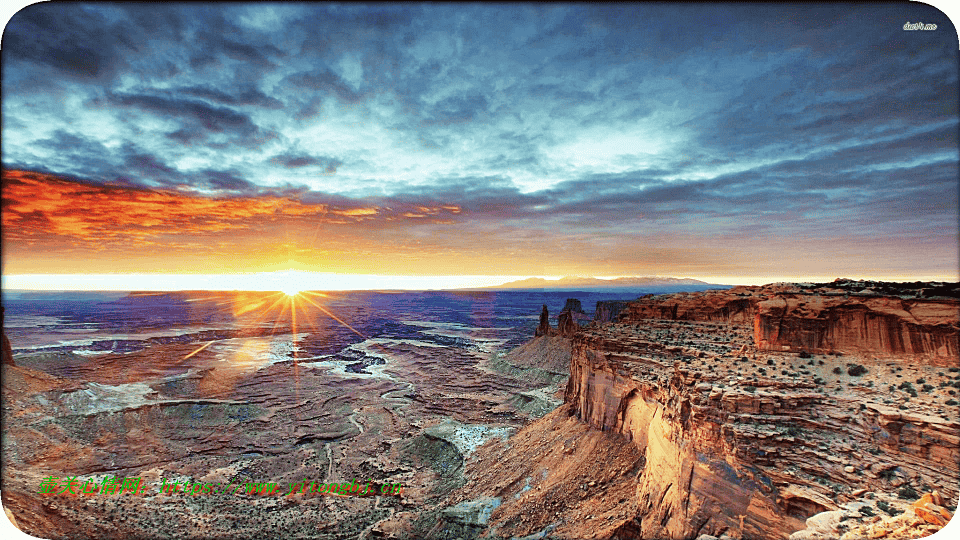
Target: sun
{"x": 290, "y": 291}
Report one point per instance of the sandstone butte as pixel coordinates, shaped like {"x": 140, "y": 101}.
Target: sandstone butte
{"x": 742, "y": 413}
{"x": 785, "y": 411}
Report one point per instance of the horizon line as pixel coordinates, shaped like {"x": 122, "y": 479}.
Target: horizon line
{"x": 330, "y": 282}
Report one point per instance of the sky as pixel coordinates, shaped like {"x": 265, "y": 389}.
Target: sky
{"x": 352, "y": 146}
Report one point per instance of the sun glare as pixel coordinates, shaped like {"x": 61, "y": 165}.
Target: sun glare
{"x": 290, "y": 291}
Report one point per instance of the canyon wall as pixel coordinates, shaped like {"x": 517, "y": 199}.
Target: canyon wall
{"x": 609, "y": 310}
{"x": 733, "y": 305}
{"x": 881, "y": 325}
{"x": 749, "y": 461}
{"x": 902, "y": 320}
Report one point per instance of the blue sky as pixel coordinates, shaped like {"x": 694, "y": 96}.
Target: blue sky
{"x": 745, "y": 142}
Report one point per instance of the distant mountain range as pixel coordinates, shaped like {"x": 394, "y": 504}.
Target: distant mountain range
{"x": 577, "y": 282}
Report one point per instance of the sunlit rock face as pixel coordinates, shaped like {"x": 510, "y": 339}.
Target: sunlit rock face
{"x": 884, "y": 325}
{"x": 730, "y": 447}
{"x": 919, "y": 320}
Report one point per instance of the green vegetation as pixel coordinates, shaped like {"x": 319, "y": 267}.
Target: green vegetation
{"x": 885, "y": 506}
{"x": 927, "y": 387}
{"x": 908, "y": 493}
{"x": 855, "y": 370}
{"x": 867, "y": 511}
{"x": 907, "y": 387}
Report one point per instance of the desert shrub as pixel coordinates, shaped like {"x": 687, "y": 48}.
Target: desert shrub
{"x": 951, "y": 402}
{"x": 751, "y": 389}
{"x": 908, "y": 493}
{"x": 769, "y": 361}
{"x": 856, "y": 370}
{"x": 804, "y": 354}
{"x": 820, "y": 362}
{"x": 907, "y": 387}
{"x": 867, "y": 511}
{"x": 837, "y": 370}
{"x": 794, "y": 431}
{"x": 921, "y": 380}
{"x": 953, "y": 370}
{"x": 927, "y": 387}
{"x": 885, "y": 506}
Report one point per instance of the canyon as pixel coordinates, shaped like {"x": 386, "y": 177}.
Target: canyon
{"x": 788, "y": 411}
{"x": 743, "y": 413}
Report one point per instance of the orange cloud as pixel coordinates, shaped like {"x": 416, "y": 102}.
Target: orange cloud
{"x": 40, "y": 206}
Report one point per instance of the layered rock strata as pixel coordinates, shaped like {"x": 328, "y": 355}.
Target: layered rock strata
{"x": 752, "y": 454}
{"x": 917, "y": 320}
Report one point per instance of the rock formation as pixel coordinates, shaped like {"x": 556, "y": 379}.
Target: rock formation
{"x": 544, "y": 328}
{"x": 573, "y": 305}
{"x": 7, "y": 352}
{"x": 917, "y": 320}
{"x": 566, "y": 325}
{"x": 882, "y": 325}
{"x": 609, "y": 310}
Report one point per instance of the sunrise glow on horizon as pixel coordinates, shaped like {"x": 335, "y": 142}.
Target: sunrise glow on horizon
{"x": 294, "y": 282}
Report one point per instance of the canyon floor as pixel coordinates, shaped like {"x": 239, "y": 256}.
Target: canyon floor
{"x": 154, "y": 416}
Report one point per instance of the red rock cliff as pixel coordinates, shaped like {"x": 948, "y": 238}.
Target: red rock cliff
{"x": 751, "y": 457}
{"x": 882, "y": 325}
{"x": 844, "y": 316}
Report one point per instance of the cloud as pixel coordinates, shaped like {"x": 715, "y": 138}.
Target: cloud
{"x": 557, "y": 123}
{"x": 327, "y": 82}
{"x": 327, "y": 164}
{"x": 215, "y": 119}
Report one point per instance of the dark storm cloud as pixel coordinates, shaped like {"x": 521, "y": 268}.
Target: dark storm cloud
{"x": 216, "y": 119}
{"x": 249, "y": 96}
{"x": 226, "y": 180}
{"x": 329, "y": 165}
{"x": 80, "y": 44}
